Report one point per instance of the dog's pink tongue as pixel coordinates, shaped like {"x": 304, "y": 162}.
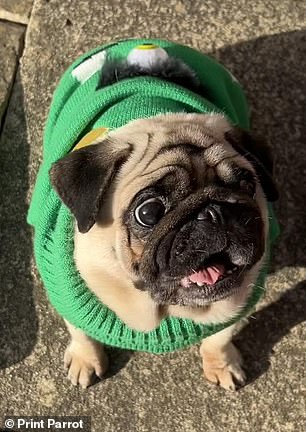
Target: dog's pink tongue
{"x": 208, "y": 276}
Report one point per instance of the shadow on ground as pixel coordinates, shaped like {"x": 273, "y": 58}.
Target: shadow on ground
{"x": 267, "y": 327}
{"x": 274, "y": 77}
{"x": 19, "y": 325}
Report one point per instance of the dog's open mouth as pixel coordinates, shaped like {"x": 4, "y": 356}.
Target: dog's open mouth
{"x": 214, "y": 270}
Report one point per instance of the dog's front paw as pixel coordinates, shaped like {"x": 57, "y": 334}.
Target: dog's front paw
{"x": 85, "y": 363}
{"x": 224, "y": 367}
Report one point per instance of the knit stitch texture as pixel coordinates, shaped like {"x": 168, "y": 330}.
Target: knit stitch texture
{"x": 77, "y": 108}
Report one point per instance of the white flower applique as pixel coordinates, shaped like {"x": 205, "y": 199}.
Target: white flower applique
{"x": 89, "y": 67}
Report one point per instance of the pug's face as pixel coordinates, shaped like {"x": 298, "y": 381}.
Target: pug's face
{"x": 184, "y": 196}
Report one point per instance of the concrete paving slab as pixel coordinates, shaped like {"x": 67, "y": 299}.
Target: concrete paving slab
{"x": 264, "y": 45}
{"x": 18, "y": 324}
{"x": 11, "y": 43}
{"x": 16, "y": 10}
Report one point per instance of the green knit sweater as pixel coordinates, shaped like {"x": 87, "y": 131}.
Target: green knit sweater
{"x": 77, "y": 108}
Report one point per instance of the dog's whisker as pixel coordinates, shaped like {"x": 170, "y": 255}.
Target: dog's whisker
{"x": 242, "y": 270}
{"x": 257, "y": 286}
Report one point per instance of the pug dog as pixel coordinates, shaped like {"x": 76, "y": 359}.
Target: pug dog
{"x": 151, "y": 208}
{"x": 171, "y": 220}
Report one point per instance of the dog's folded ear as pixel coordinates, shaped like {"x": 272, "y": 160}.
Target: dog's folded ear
{"x": 259, "y": 155}
{"x": 82, "y": 178}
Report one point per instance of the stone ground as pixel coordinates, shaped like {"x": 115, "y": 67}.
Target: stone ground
{"x": 264, "y": 44}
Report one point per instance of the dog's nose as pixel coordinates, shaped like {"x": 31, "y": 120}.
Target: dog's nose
{"x": 211, "y": 213}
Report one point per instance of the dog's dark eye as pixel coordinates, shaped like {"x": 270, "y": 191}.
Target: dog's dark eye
{"x": 150, "y": 212}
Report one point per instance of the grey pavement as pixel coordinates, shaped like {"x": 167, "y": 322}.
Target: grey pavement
{"x": 264, "y": 44}
{"x": 16, "y": 10}
{"x": 11, "y": 44}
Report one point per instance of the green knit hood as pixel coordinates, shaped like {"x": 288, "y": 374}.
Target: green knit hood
{"x": 79, "y": 106}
